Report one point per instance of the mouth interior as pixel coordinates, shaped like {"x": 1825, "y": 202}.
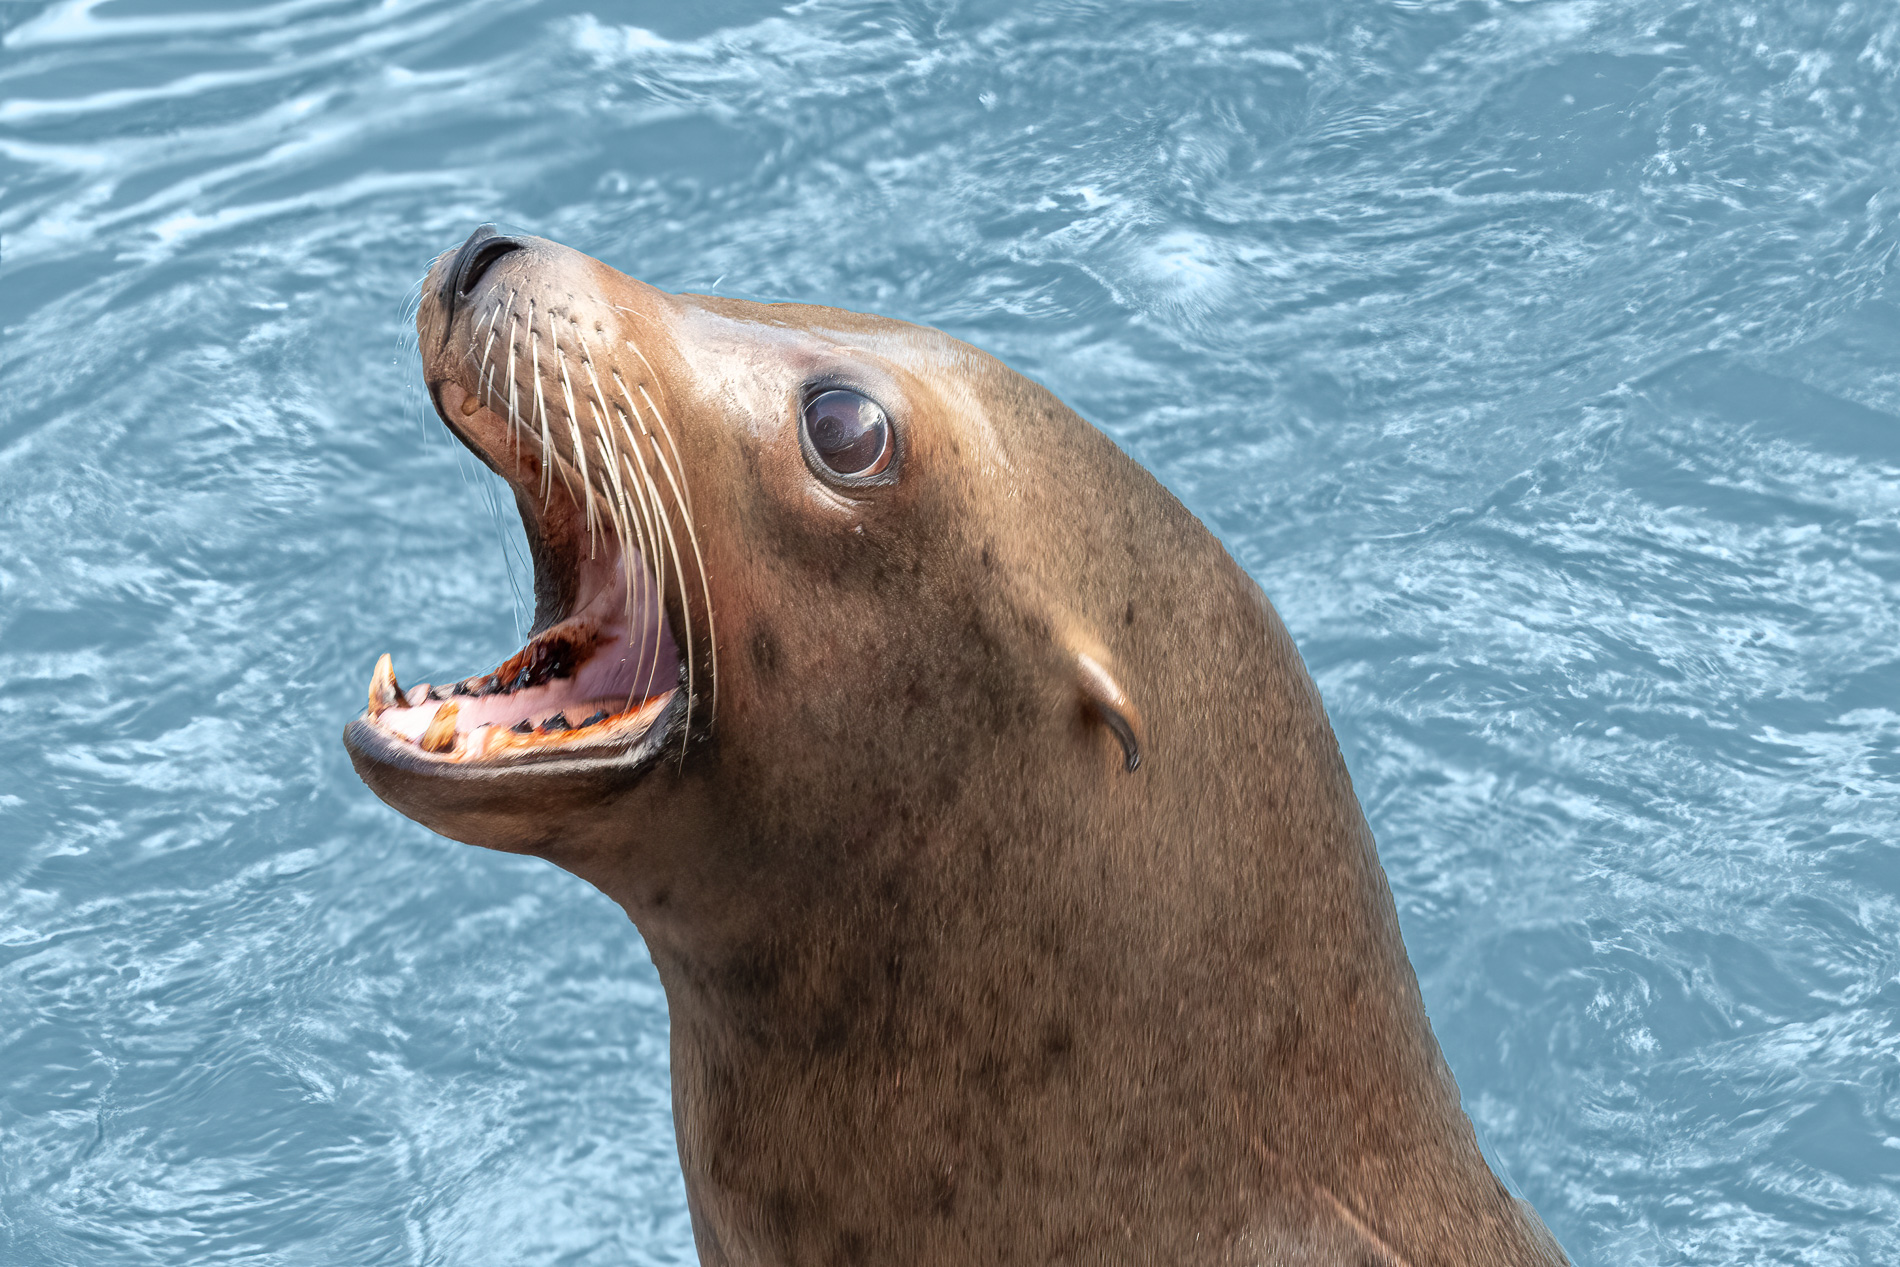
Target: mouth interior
{"x": 601, "y": 677}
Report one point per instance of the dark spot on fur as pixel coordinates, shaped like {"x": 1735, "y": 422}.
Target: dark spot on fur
{"x": 990, "y": 1075}
{"x": 942, "y": 1198}
{"x": 754, "y": 972}
{"x": 1128, "y": 617}
{"x": 1050, "y": 938}
{"x": 1057, "y": 1041}
{"x": 781, "y": 1211}
{"x": 1138, "y": 1148}
{"x": 834, "y": 1031}
{"x": 1288, "y": 1032}
{"x": 765, "y": 653}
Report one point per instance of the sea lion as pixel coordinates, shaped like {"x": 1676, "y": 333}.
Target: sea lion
{"x": 1008, "y": 889}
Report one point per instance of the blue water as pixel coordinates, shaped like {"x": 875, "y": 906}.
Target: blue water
{"x": 1542, "y": 360}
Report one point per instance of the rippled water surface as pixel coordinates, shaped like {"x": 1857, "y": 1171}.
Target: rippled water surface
{"x": 1541, "y": 359}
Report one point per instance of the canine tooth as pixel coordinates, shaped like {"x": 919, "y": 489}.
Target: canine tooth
{"x": 417, "y": 694}
{"x": 440, "y": 736}
{"x": 383, "y": 691}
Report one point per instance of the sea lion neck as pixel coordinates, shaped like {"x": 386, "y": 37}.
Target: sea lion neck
{"x": 1187, "y": 976}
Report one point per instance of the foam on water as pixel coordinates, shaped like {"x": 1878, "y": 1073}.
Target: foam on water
{"x": 1538, "y": 358}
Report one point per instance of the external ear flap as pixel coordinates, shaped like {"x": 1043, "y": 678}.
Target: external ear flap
{"x": 1104, "y": 697}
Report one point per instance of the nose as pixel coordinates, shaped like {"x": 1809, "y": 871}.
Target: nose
{"x": 476, "y": 257}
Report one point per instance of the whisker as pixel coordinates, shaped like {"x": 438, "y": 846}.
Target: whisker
{"x": 646, "y": 494}
{"x": 650, "y": 537}
{"x": 515, "y": 423}
{"x": 550, "y": 460}
{"x": 617, "y": 507}
{"x": 672, "y": 543}
{"x": 609, "y": 448}
{"x": 486, "y": 348}
{"x": 494, "y": 315}
{"x": 624, "y": 524}
{"x": 655, "y": 610}
{"x": 493, "y": 323}
{"x": 574, "y": 434}
{"x": 683, "y": 496}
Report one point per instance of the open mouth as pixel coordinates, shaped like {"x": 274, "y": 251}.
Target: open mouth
{"x": 601, "y": 679}
{"x": 517, "y": 379}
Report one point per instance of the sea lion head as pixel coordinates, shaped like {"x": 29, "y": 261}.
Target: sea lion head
{"x": 785, "y": 557}
{"x": 1007, "y": 887}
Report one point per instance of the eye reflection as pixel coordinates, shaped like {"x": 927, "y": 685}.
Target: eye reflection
{"x": 848, "y": 432}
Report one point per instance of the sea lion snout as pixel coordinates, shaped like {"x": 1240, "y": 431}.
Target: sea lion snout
{"x": 529, "y": 362}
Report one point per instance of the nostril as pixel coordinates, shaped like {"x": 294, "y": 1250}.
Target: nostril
{"x": 482, "y": 260}
{"x": 471, "y": 263}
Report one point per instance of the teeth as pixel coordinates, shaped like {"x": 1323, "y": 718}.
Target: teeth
{"x": 440, "y": 736}
{"x": 383, "y": 691}
{"x": 417, "y": 694}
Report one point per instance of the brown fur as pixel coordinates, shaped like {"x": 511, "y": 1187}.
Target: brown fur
{"x": 947, "y": 985}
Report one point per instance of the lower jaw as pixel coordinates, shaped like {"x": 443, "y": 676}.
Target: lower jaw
{"x": 592, "y": 724}
{"x": 483, "y": 796}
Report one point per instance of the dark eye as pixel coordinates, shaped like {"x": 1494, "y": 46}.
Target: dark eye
{"x": 848, "y": 433}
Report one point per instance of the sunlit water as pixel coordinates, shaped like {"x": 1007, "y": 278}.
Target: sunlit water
{"x": 1542, "y": 360}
